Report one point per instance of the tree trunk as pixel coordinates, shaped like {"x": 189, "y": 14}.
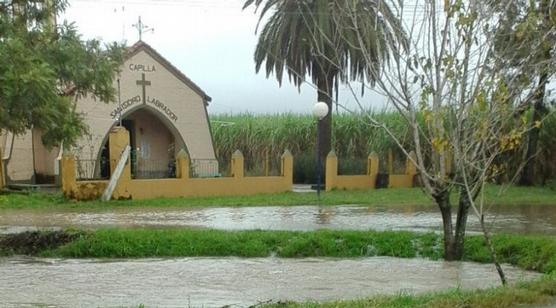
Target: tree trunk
{"x": 492, "y": 251}
{"x": 539, "y": 110}
{"x": 461, "y": 223}
{"x": 443, "y": 201}
{"x": 324, "y": 85}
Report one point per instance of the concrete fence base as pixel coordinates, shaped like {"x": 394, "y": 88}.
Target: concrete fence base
{"x": 368, "y": 180}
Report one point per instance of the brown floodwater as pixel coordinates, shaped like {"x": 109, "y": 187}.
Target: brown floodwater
{"x": 532, "y": 219}
{"x": 215, "y": 282}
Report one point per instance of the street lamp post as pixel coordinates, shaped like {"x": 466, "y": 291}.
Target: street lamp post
{"x": 320, "y": 111}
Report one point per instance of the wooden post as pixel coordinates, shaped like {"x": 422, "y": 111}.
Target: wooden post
{"x": 390, "y": 162}
{"x": 287, "y": 168}
{"x": 237, "y": 164}
{"x": 182, "y": 165}
{"x": 331, "y": 170}
{"x": 117, "y": 174}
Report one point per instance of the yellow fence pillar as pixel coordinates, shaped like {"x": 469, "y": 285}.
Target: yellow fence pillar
{"x": 69, "y": 180}
{"x": 331, "y": 170}
{"x": 182, "y": 164}
{"x": 237, "y": 164}
{"x": 119, "y": 140}
{"x": 410, "y": 168}
{"x": 2, "y": 175}
{"x": 372, "y": 164}
{"x": 287, "y": 167}
{"x": 390, "y": 162}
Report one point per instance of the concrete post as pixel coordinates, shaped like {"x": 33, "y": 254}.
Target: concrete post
{"x": 237, "y": 164}
{"x": 410, "y": 168}
{"x": 287, "y": 167}
{"x": 119, "y": 140}
{"x": 372, "y": 164}
{"x": 331, "y": 170}
{"x": 69, "y": 180}
{"x": 182, "y": 165}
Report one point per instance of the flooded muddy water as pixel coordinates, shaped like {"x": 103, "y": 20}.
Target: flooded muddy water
{"x": 215, "y": 282}
{"x": 506, "y": 219}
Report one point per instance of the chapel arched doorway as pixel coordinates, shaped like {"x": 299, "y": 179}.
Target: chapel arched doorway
{"x": 154, "y": 144}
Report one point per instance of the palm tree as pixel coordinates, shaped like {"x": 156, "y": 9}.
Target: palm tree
{"x": 316, "y": 38}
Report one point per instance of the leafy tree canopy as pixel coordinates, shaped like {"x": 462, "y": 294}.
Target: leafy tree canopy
{"x": 527, "y": 26}
{"x": 45, "y": 67}
{"x": 304, "y": 37}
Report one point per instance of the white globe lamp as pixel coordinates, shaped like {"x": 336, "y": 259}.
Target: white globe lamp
{"x": 320, "y": 110}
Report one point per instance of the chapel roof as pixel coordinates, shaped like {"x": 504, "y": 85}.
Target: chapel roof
{"x": 142, "y": 46}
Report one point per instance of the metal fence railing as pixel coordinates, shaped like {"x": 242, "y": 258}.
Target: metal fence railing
{"x": 87, "y": 169}
{"x": 263, "y": 167}
{"x": 204, "y": 168}
{"x": 91, "y": 169}
{"x": 352, "y": 166}
{"x": 153, "y": 169}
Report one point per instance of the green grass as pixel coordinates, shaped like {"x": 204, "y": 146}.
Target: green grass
{"x": 390, "y": 197}
{"x": 528, "y": 252}
{"x": 532, "y": 253}
{"x": 538, "y": 292}
{"x": 141, "y": 243}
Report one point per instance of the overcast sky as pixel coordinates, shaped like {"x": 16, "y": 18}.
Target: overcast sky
{"x": 210, "y": 41}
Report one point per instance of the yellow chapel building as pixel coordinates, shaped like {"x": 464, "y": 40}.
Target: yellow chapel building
{"x": 163, "y": 110}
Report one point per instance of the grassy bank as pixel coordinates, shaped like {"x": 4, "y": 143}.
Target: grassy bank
{"x": 532, "y": 253}
{"x": 390, "y": 197}
{"x": 528, "y": 252}
{"x": 539, "y": 292}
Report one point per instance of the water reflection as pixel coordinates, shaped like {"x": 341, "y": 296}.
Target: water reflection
{"x": 215, "y": 282}
{"x": 506, "y": 219}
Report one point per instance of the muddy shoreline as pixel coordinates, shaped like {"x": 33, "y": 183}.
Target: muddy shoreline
{"x": 34, "y": 242}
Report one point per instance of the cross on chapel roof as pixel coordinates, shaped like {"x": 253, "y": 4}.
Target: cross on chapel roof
{"x": 142, "y": 46}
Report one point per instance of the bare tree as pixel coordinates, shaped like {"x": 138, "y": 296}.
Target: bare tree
{"x": 459, "y": 98}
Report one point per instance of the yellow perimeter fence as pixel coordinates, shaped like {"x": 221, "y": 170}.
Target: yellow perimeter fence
{"x": 237, "y": 184}
{"x": 182, "y": 186}
{"x": 369, "y": 180}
